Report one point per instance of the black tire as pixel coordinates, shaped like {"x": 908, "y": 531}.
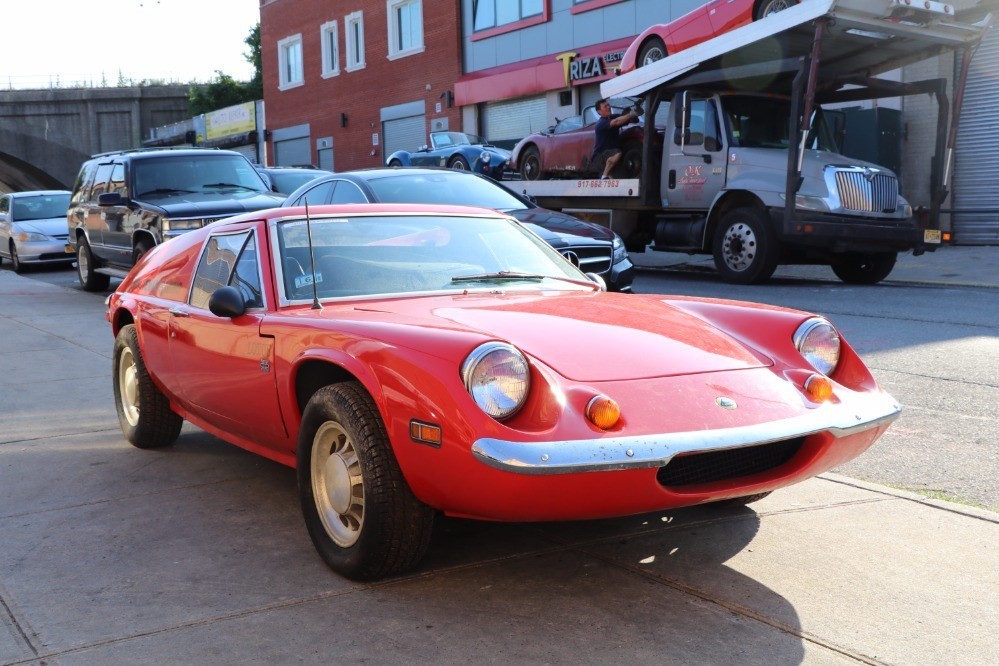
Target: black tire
{"x": 386, "y": 532}
{"x": 85, "y": 265}
{"x": 864, "y": 268}
{"x": 15, "y": 261}
{"x": 651, "y": 51}
{"x": 142, "y": 246}
{"x": 765, "y": 8}
{"x": 630, "y": 164}
{"x": 738, "y": 501}
{"x": 143, "y": 411}
{"x": 746, "y": 250}
{"x": 530, "y": 164}
{"x": 395, "y": 163}
{"x": 458, "y": 163}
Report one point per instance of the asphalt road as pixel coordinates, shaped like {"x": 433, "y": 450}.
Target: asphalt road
{"x": 935, "y": 348}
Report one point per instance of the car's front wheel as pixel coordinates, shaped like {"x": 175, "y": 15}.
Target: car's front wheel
{"x": 530, "y": 164}
{"x": 85, "y": 265}
{"x": 736, "y": 502}
{"x": 362, "y": 517}
{"x": 458, "y": 163}
{"x": 15, "y": 261}
{"x": 395, "y": 163}
{"x": 143, "y": 411}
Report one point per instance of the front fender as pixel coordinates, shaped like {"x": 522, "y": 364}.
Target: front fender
{"x": 401, "y": 155}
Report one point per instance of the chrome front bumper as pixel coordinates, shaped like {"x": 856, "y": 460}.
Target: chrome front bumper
{"x": 860, "y": 413}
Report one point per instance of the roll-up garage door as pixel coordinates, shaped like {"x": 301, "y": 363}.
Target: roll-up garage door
{"x": 975, "y": 153}
{"x": 408, "y": 133}
{"x": 506, "y": 123}
{"x": 292, "y": 152}
{"x": 249, "y": 151}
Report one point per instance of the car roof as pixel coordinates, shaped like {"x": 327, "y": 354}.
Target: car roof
{"x": 329, "y": 210}
{"x": 146, "y": 153}
{"x": 35, "y": 193}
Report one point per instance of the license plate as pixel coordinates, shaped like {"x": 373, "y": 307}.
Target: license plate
{"x": 931, "y": 236}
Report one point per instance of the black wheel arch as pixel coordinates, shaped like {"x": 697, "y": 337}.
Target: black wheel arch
{"x": 314, "y": 374}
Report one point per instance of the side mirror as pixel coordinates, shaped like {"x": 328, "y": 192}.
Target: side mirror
{"x": 423, "y": 149}
{"x": 112, "y": 199}
{"x": 599, "y": 281}
{"x": 227, "y": 302}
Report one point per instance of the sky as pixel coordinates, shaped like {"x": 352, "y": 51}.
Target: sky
{"x": 50, "y": 43}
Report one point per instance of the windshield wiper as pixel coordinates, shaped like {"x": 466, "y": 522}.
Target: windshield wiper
{"x": 166, "y": 190}
{"x": 228, "y": 185}
{"x": 501, "y": 275}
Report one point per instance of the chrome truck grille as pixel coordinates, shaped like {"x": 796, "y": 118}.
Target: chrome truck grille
{"x": 867, "y": 190}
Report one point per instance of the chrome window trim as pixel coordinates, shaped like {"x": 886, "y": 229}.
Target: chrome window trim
{"x": 260, "y": 274}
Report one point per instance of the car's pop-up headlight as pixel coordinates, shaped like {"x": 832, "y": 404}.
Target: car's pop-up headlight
{"x": 497, "y": 377}
{"x": 818, "y": 342}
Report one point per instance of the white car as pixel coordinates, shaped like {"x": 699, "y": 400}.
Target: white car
{"x": 33, "y": 228}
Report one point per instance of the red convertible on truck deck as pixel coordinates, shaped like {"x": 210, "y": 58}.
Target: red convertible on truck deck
{"x": 410, "y": 360}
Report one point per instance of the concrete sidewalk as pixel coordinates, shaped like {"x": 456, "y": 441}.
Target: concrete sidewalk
{"x": 968, "y": 266}
{"x": 197, "y": 553}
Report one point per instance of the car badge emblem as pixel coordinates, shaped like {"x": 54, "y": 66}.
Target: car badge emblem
{"x": 869, "y": 173}
{"x": 572, "y": 257}
{"x": 726, "y": 403}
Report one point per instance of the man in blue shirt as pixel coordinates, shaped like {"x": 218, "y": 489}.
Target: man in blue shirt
{"x": 607, "y": 147}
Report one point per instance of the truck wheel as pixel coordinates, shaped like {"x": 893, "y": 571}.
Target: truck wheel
{"x": 143, "y": 411}
{"x": 745, "y": 248}
{"x": 362, "y": 517}
{"x": 85, "y": 265}
{"x": 530, "y": 164}
{"x": 765, "y": 8}
{"x": 652, "y": 50}
{"x": 863, "y": 268}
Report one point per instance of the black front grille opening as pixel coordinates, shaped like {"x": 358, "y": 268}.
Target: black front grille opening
{"x": 693, "y": 469}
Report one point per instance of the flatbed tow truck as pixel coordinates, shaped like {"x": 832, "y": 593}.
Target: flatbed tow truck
{"x": 747, "y": 169}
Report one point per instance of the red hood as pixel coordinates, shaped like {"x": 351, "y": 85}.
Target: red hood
{"x": 596, "y": 336}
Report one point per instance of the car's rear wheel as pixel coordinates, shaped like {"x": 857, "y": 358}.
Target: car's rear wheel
{"x": 362, "y": 517}
{"x": 651, "y": 51}
{"x": 864, "y": 268}
{"x": 745, "y": 247}
{"x": 765, "y": 8}
{"x": 458, "y": 163}
{"x": 143, "y": 411}
{"x": 530, "y": 164}
{"x": 630, "y": 164}
{"x": 15, "y": 261}
{"x": 85, "y": 265}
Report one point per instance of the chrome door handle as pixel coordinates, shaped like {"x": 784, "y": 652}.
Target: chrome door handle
{"x": 177, "y": 312}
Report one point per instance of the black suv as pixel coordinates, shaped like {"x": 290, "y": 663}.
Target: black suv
{"x": 124, "y": 203}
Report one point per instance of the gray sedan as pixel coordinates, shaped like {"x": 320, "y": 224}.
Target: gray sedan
{"x": 33, "y": 228}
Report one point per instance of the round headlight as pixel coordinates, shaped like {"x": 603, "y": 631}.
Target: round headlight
{"x": 818, "y": 342}
{"x": 497, "y": 377}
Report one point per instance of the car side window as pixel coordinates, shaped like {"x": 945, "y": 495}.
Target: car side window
{"x": 117, "y": 182}
{"x": 317, "y": 196}
{"x": 347, "y": 193}
{"x": 101, "y": 179}
{"x": 569, "y": 124}
{"x": 81, "y": 188}
{"x": 228, "y": 260}
{"x": 5, "y": 205}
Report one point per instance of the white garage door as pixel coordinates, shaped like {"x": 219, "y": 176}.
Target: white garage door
{"x": 292, "y": 152}
{"x": 404, "y": 134}
{"x": 506, "y": 123}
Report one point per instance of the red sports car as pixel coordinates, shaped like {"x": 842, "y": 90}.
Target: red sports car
{"x": 411, "y": 360}
{"x": 709, "y": 20}
{"x": 565, "y": 149}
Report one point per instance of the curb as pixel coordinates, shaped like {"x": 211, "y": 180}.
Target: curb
{"x": 953, "y": 507}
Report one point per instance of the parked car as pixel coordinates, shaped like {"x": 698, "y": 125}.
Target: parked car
{"x": 125, "y": 203}
{"x": 456, "y": 150}
{"x": 285, "y": 180}
{"x": 565, "y": 148}
{"x": 591, "y": 247}
{"x": 706, "y": 21}
{"x": 409, "y": 360}
{"x": 33, "y": 228}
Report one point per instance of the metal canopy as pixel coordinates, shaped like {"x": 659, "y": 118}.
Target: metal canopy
{"x": 863, "y": 38}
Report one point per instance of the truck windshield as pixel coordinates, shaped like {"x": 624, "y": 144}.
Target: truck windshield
{"x": 761, "y": 122}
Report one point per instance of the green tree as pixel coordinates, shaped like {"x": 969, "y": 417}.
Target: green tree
{"x": 223, "y": 90}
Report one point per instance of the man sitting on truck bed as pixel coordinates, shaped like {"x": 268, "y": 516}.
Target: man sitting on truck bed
{"x": 606, "y": 147}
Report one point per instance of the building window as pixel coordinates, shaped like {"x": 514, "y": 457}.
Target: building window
{"x": 579, "y": 6}
{"x": 405, "y": 27}
{"x": 330, "y": 40}
{"x": 290, "y": 62}
{"x": 354, "y": 26}
{"x": 494, "y": 13}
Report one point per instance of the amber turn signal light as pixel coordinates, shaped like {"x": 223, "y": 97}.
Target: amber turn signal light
{"x": 818, "y": 388}
{"x": 425, "y": 433}
{"x": 603, "y": 412}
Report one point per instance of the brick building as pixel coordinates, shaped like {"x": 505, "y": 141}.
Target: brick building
{"x": 348, "y": 83}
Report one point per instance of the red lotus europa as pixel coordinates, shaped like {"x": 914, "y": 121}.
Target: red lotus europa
{"x": 417, "y": 360}
{"x": 709, "y": 20}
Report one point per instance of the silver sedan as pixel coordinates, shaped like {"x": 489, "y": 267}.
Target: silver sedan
{"x": 33, "y": 228}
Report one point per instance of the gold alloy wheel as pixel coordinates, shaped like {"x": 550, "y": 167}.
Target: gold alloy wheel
{"x": 337, "y": 484}
{"x": 128, "y": 384}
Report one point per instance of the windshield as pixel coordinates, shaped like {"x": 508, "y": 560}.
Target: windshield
{"x": 448, "y": 139}
{"x": 392, "y": 254}
{"x": 195, "y": 173}
{"x": 761, "y": 122}
{"x": 444, "y": 187}
{"x": 40, "y": 207}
